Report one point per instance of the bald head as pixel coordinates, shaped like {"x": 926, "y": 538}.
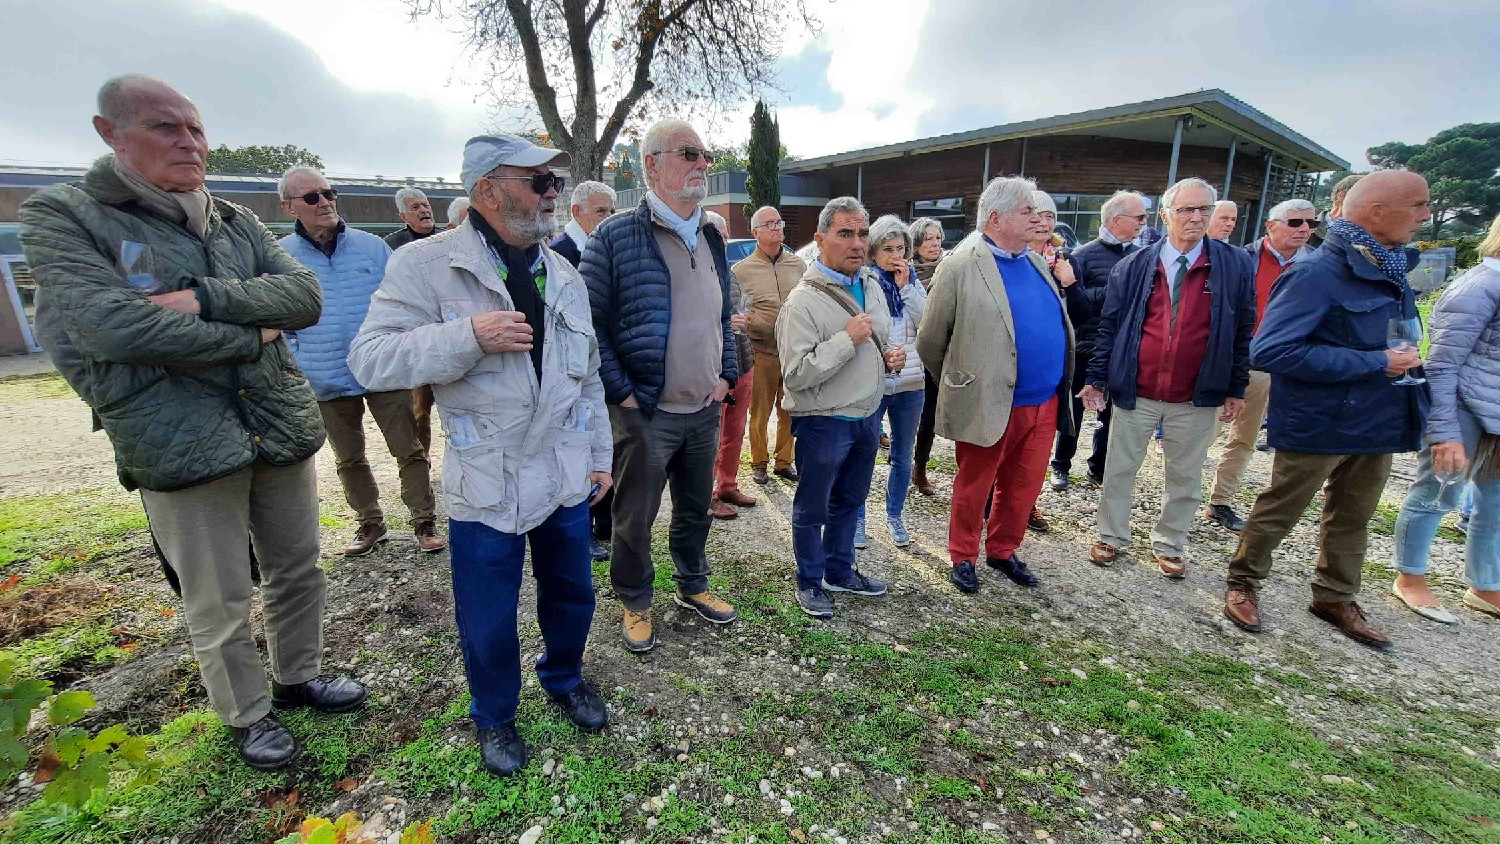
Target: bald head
{"x": 120, "y": 97}
{"x": 1389, "y": 204}
{"x": 154, "y": 130}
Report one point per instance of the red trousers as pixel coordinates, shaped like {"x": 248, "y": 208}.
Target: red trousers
{"x": 1014, "y": 468}
{"x": 732, "y": 434}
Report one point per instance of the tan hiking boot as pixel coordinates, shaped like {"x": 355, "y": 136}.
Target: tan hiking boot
{"x": 707, "y": 604}
{"x": 365, "y": 539}
{"x": 638, "y": 632}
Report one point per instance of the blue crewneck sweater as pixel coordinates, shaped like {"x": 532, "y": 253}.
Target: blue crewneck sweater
{"x": 1041, "y": 340}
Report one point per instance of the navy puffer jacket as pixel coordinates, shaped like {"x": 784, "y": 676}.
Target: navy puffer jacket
{"x": 1092, "y": 264}
{"x": 630, "y": 293}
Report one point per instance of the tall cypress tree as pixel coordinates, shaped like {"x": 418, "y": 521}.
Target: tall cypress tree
{"x": 763, "y": 179}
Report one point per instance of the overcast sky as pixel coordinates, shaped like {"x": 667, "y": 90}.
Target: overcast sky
{"x": 371, "y": 92}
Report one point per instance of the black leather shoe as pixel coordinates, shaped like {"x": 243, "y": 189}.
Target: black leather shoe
{"x": 1095, "y": 478}
{"x": 266, "y": 745}
{"x": 502, "y": 750}
{"x": 598, "y": 551}
{"x": 325, "y": 694}
{"x": 964, "y": 577}
{"x": 584, "y": 708}
{"x": 1014, "y": 569}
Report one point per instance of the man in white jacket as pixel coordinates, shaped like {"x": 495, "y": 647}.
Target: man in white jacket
{"x": 499, "y": 325}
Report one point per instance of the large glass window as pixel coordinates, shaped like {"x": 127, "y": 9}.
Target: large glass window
{"x": 949, "y": 212}
{"x": 1081, "y": 212}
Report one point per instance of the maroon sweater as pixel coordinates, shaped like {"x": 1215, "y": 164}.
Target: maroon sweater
{"x": 1172, "y": 350}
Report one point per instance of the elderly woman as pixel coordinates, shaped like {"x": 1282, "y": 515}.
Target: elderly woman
{"x": 905, "y": 298}
{"x": 1046, "y": 242}
{"x": 927, "y": 239}
{"x": 1463, "y": 438}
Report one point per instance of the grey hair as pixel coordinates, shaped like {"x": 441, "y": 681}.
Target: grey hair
{"x": 839, "y": 205}
{"x": 584, "y": 190}
{"x": 408, "y": 193}
{"x": 116, "y": 101}
{"x": 1223, "y": 202}
{"x": 1171, "y": 194}
{"x": 885, "y": 228}
{"x": 1278, "y": 211}
{"x": 1115, "y": 205}
{"x": 456, "y": 208}
{"x": 655, "y": 139}
{"x": 287, "y": 177}
{"x": 718, "y": 222}
{"x": 756, "y": 219}
{"x": 1002, "y": 194}
{"x": 919, "y": 228}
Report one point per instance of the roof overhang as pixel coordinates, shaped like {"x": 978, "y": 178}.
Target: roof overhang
{"x": 1215, "y": 119}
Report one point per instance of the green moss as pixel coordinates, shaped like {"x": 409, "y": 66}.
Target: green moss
{"x": 56, "y": 533}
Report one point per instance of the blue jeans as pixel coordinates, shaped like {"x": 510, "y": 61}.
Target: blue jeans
{"x": 905, "y": 410}
{"x": 487, "y": 569}
{"x": 1420, "y": 515}
{"x": 835, "y": 461}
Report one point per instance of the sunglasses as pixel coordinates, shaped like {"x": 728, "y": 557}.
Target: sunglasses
{"x": 1139, "y": 218}
{"x": 540, "y": 182}
{"x": 311, "y": 197}
{"x": 1299, "y": 223}
{"x": 691, "y": 154}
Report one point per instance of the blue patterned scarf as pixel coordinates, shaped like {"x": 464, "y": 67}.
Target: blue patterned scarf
{"x": 1392, "y": 261}
{"x": 893, "y": 301}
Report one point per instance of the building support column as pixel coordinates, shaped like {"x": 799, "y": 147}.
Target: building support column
{"x": 1265, "y": 185}
{"x": 986, "y": 179}
{"x": 1023, "y": 157}
{"x": 1229, "y": 168}
{"x": 859, "y": 185}
{"x": 1176, "y": 150}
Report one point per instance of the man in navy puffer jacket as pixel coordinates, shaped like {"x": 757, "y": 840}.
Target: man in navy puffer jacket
{"x": 350, "y": 265}
{"x": 659, "y": 288}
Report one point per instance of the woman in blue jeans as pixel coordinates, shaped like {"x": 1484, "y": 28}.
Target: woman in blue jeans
{"x": 1463, "y": 433}
{"x": 905, "y": 298}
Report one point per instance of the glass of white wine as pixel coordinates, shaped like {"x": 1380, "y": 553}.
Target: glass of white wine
{"x": 1404, "y": 335}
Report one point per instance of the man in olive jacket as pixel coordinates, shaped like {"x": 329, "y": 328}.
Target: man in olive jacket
{"x": 163, "y": 308}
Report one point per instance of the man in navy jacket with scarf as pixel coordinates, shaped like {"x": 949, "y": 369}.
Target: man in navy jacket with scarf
{"x": 1336, "y": 417}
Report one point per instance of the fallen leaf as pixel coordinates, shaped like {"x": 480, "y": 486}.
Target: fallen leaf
{"x": 1479, "y": 819}
{"x": 1051, "y": 681}
{"x": 10, "y": 582}
{"x": 799, "y": 835}
{"x": 46, "y": 769}
{"x": 346, "y": 784}
{"x": 169, "y": 612}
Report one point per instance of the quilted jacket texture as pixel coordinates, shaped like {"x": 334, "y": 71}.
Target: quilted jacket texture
{"x": 348, "y": 280}
{"x": 184, "y": 399}
{"x": 1463, "y": 360}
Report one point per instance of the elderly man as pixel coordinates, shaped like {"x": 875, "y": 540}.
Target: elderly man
{"x": 1336, "y": 417}
{"x": 659, "y": 287}
{"x": 1336, "y": 208}
{"x": 163, "y": 308}
{"x": 1225, "y": 217}
{"x": 1173, "y": 349}
{"x": 350, "y": 264}
{"x": 766, "y": 277}
{"x": 591, "y": 203}
{"x": 832, "y": 337}
{"x": 1288, "y": 226}
{"x": 736, "y": 405}
{"x": 499, "y": 325}
{"x": 1121, "y": 219}
{"x": 416, "y": 212}
{"x": 458, "y": 209}
{"x": 998, "y": 339}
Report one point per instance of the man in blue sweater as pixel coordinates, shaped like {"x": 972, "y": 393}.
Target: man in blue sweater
{"x": 350, "y": 265}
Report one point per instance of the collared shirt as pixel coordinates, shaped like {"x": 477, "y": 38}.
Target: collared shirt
{"x": 1001, "y": 252}
{"x": 328, "y": 248}
{"x": 576, "y": 234}
{"x": 856, "y": 289}
{"x": 1169, "y": 255}
{"x": 686, "y": 229}
{"x": 1277, "y": 255}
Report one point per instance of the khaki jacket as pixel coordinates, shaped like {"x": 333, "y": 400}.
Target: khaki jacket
{"x": 968, "y": 341}
{"x": 822, "y": 370}
{"x": 518, "y": 448}
{"x": 770, "y": 284}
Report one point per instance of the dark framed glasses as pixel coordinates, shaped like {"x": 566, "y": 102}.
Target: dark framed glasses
{"x": 311, "y": 197}
{"x": 540, "y": 182}
{"x": 692, "y": 154}
{"x": 1298, "y": 223}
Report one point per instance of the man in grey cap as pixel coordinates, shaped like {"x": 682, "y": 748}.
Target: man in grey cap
{"x": 499, "y": 325}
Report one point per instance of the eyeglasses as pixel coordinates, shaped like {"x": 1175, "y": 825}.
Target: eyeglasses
{"x": 773, "y": 225}
{"x": 1299, "y": 222}
{"x": 540, "y": 182}
{"x": 690, "y": 154}
{"x": 1191, "y": 210}
{"x": 1139, "y": 218}
{"x": 893, "y": 250}
{"x": 311, "y": 197}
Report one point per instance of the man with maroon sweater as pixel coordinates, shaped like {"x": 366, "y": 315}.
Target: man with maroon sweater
{"x": 1173, "y": 349}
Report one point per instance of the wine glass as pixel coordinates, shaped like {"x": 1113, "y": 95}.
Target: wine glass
{"x": 1404, "y": 335}
{"x": 743, "y": 308}
{"x": 1445, "y": 480}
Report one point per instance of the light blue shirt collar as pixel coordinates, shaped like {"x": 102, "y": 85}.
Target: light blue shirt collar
{"x": 1277, "y": 255}
{"x": 1001, "y": 253}
{"x": 686, "y": 229}
{"x": 846, "y": 280}
{"x": 1169, "y": 255}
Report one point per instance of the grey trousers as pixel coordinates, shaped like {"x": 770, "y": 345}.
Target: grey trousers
{"x": 201, "y": 531}
{"x": 1187, "y": 432}
{"x": 669, "y": 448}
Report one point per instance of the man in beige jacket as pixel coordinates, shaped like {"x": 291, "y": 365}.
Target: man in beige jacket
{"x": 766, "y": 277}
{"x": 833, "y": 337}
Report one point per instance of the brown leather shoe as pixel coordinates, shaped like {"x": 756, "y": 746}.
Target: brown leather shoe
{"x": 737, "y": 498}
{"x": 1037, "y": 522}
{"x": 1103, "y": 554}
{"x": 1350, "y": 620}
{"x": 365, "y": 539}
{"x": 428, "y": 539}
{"x": 1242, "y": 607}
{"x": 720, "y": 510}
{"x": 919, "y": 480}
{"x": 1171, "y": 567}
{"x": 760, "y": 475}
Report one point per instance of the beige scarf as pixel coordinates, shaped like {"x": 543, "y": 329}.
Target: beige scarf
{"x": 190, "y": 208}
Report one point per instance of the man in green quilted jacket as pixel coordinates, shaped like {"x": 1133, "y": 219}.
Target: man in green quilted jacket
{"x": 163, "y": 307}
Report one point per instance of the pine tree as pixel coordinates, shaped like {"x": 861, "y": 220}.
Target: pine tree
{"x": 763, "y": 179}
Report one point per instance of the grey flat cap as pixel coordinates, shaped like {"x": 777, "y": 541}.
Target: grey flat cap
{"x": 484, "y": 153}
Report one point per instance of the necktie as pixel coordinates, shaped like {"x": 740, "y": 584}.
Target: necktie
{"x": 1182, "y": 268}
